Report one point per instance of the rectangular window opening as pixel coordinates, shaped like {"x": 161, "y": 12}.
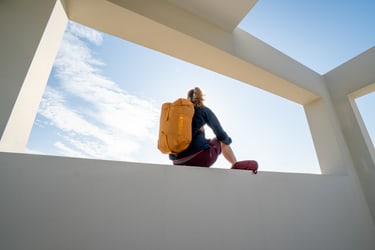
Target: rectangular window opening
{"x": 103, "y": 101}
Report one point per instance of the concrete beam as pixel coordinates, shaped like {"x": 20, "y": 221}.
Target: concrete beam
{"x": 192, "y": 39}
{"x": 225, "y": 15}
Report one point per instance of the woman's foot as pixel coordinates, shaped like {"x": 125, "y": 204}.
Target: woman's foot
{"x": 246, "y": 165}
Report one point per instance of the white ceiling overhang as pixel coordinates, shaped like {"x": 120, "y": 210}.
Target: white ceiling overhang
{"x": 223, "y": 13}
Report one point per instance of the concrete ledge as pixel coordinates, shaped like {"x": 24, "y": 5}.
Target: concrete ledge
{"x": 66, "y": 203}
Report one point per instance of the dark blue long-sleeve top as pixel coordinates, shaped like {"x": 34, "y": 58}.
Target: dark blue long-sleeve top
{"x": 203, "y": 116}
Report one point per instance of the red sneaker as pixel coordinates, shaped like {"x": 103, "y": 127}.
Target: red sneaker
{"x": 246, "y": 165}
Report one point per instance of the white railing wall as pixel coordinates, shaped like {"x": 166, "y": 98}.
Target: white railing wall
{"x": 65, "y": 203}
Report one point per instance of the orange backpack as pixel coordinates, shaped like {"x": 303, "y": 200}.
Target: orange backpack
{"x": 175, "y": 126}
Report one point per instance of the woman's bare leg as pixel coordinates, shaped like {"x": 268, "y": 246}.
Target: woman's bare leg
{"x": 228, "y": 153}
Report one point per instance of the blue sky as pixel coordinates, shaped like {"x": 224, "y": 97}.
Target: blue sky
{"x": 104, "y": 94}
{"x": 320, "y": 34}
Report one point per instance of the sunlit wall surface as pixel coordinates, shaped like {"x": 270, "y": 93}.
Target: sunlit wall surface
{"x": 366, "y": 106}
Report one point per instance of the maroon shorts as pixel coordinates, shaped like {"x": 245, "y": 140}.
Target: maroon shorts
{"x": 204, "y": 158}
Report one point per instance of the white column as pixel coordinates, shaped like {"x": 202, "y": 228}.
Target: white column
{"x": 329, "y": 142}
{"x": 345, "y": 83}
{"x": 31, "y": 35}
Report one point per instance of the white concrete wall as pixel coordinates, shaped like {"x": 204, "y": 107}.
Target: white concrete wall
{"x": 22, "y": 25}
{"x": 31, "y": 32}
{"x": 349, "y": 78}
{"x": 62, "y": 203}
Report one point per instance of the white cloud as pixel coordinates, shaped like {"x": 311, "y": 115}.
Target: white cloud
{"x": 35, "y": 152}
{"x": 65, "y": 150}
{"x": 80, "y": 31}
{"x": 107, "y": 122}
{"x": 54, "y": 107}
